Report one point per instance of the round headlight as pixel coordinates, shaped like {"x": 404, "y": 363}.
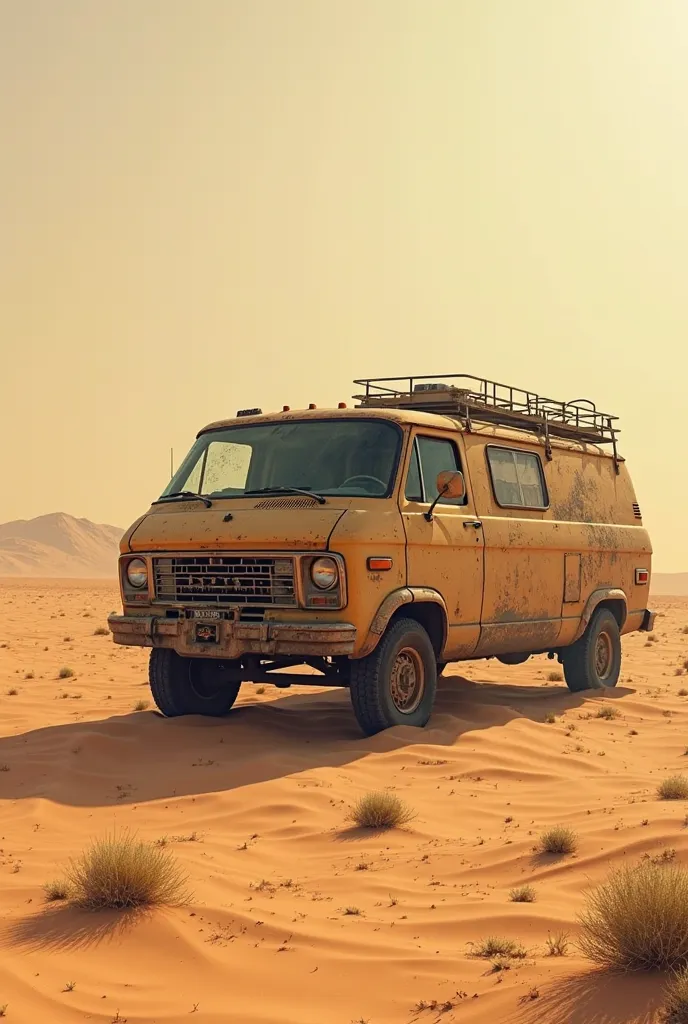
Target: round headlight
{"x": 137, "y": 574}
{"x": 324, "y": 573}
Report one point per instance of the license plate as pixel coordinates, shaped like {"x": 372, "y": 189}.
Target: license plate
{"x": 206, "y": 633}
{"x": 211, "y": 613}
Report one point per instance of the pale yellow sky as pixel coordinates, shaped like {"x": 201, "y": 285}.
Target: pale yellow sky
{"x": 209, "y": 204}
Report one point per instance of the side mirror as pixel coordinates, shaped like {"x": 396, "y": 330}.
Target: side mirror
{"x": 451, "y": 484}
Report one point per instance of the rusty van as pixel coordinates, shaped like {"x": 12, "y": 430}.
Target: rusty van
{"x": 438, "y": 520}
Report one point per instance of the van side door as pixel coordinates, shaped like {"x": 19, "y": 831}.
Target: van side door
{"x": 524, "y": 563}
{"x": 445, "y": 553}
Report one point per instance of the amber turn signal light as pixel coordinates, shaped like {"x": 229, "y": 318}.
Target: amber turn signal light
{"x": 379, "y": 564}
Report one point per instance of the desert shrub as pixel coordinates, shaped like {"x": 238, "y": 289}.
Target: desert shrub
{"x": 607, "y": 711}
{"x": 558, "y": 840}
{"x": 121, "y": 871}
{"x": 676, "y": 998}
{"x": 522, "y": 894}
{"x": 496, "y": 946}
{"x": 550, "y": 718}
{"x": 58, "y": 889}
{"x": 638, "y": 919}
{"x": 557, "y": 945}
{"x": 673, "y": 788}
{"x": 380, "y": 810}
{"x": 140, "y": 705}
{"x": 101, "y": 631}
{"x": 554, "y": 677}
{"x": 65, "y": 672}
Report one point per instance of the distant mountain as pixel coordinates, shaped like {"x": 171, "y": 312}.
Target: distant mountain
{"x": 670, "y": 584}
{"x": 59, "y": 545}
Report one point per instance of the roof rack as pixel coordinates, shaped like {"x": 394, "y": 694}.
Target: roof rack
{"x": 476, "y": 398}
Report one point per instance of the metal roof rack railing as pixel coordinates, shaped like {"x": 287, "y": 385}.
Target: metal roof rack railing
{"x": 476, "y": 398}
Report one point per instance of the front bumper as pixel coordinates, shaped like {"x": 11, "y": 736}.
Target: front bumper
{"x": 234, "y": 639}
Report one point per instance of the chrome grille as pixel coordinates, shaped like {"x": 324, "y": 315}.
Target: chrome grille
{"x": 225, "y": 579}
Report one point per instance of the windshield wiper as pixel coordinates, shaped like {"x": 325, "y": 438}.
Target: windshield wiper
{"x": 287, "y": 490}
{"x": 176, "y": 495}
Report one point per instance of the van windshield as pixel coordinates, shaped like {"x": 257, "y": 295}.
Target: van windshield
{"x": 329, "y": 457}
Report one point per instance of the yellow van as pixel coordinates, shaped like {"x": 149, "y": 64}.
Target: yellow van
{"x": 441, "y": 519}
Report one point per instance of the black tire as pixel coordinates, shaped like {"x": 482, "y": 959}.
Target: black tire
{"x": 594, "y": 661}
{"x": 441, "y": 666}
{"x": 190, "y": 686}
{"x": 377, "y": 696}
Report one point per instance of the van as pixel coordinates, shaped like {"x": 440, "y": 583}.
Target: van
{"x": 441, "y": 519}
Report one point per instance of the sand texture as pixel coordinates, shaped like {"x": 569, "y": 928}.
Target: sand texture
{"x": 254, "y": 807}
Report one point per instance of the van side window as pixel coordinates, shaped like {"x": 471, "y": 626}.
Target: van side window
{"x": 414, "y": 487}
{"x": 431, "y": 455}
{"x": 517, "y": 478}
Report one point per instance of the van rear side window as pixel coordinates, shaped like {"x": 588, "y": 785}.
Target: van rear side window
{"x": 517, "y": 478}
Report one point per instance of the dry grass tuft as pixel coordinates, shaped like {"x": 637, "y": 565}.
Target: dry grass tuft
{"x": 558, "y": 840}
{"x": 676, "y": 999}
{"x": 65, "y": 673}
{"x": 673, "y": 788}
{"x": 554, "y": 677}
{"x": 498, "y": 946}
{"x": 121, "y": 871}
{"x": 607, "y": 711}
{"x": 638, "y": 919}
{"x": 58, "y": 889}
{"x": 141, "y": 705}
{"x": 550, "y": 718}
{"x": 522, "y": 894}
{"x": 557, "y": 945}
{"x": 101, "y": 631}
{"x": 380, "y": 810}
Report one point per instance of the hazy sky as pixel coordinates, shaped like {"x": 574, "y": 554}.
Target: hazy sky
{"x": 210, "y": 204}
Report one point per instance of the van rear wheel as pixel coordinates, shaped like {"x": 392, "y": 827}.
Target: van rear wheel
{"x": 594, "y": 661}
{"x": 190, "y": 686}
{"x": 396, "y": 684}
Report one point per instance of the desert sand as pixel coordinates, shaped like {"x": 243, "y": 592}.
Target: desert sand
{"x": 254, "y": 806}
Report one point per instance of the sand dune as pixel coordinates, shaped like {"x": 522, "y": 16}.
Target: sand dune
{"x": 58, "y": 545}
{"x": 255, "y": 807}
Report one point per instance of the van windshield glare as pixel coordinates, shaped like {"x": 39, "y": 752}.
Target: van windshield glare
{"x": 349, "y": 458}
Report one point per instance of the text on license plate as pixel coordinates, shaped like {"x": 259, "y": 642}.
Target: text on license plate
{"x": 210, "y": 613}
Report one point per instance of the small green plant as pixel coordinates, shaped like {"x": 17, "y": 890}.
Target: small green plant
{"x": 558, "y": 840}
{"x": 673, "y": 788}
{"x": 498, "y": 946}
{"x": 557, "y": 945}
{"x": 65, "y": 672}
{"x": 554, "y": 677}
{"x": 522, "y": 894}
{"x": 121, "y": 871}
{"x": 638, "y": 919}
{"x": 676, "y": 998}
{"x": 140, "y": 705}
{"x": 56, "y": 890}
{"x": 101, "y": 631}
{"x": 380, "y": 810}
{"x": 607, "y": 711}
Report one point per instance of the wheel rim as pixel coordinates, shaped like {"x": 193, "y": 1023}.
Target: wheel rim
{"x": 604, "y": 656}
{"x": 206, "y": 679}
{"x": 407, "y": 681}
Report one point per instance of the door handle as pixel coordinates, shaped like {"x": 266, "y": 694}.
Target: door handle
{"x": 475, "y": 523}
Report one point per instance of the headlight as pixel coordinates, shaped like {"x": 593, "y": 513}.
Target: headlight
{"x": 324, "y": 573}
{"x": 137, "y": 573}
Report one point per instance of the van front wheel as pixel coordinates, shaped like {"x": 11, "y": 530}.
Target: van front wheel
{"x": 396, "y": 684}
{"x": 190, "y": 686}
{"x": 594, "y": 661}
